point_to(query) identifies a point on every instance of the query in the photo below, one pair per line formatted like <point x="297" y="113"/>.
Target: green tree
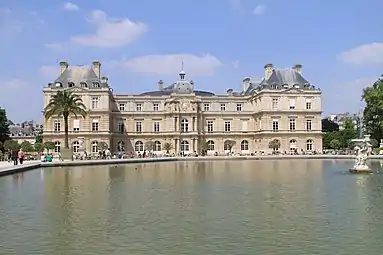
<point x="348" y="133"/>
<point x="4" y="126"/>
<point x="373" y="112"/>
<point x="102" y="146"/>
<point x="26" y="146"/>
<point x="149" y="145"/>
<point x="229" y="144"/>
<point x="39" y="147"/>
<point x="168" y="147"/>
<point x="274" y="145"/>
<point x="11" y="145"/>
<point x="49" y="145"/>
<point x="329" y="126"/>
<point x="63" y="104"/>
<point x="335" y="144"/>
<point x="39" y="137"/>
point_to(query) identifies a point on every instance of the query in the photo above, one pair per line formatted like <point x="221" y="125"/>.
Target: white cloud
<point x="259" y="9"/>
<point x="364" y="54"/>
<point x="111" y="32"/>
<point x="71" y="7"/>
<point x="171" y="64"/>
<point x="9" y="25"/>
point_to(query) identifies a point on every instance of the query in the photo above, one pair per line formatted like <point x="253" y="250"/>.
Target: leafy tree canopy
<point x="329" y="126"/>
<point x="373" y="112"/>
<point x="4" y="126"/>
<point x="26" y="146"/>
<point x="11" y="145"/>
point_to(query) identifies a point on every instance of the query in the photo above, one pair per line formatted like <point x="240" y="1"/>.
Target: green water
<point x="224" y="207"/>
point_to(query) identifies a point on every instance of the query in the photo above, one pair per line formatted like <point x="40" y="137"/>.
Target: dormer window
<point x="285" y="86"/>
<point x="274" y="86"/>
<point x="70" y="84"/>
<point x="58" y="84"/>
<point x="296" y="86"/>
<point x="96" y="85"/>
<point x="83" y="85"/>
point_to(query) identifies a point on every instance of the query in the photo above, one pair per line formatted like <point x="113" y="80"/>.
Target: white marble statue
<point x="362" y="152"/>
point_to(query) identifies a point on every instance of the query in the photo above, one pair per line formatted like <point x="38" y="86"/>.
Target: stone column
<point x="81" y="141"/>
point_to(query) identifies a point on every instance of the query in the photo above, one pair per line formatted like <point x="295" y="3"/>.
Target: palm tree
<point x="63" y="104"/>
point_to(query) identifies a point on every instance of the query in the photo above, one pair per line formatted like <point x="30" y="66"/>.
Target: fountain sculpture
<point x="363" y="149"/>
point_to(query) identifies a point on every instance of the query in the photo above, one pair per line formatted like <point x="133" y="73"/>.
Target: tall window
<point x="156" y="126"/>
<point x="95" y="102"/>
<point x="94" y="146"/>
<point x="308" y="104"/>
<point x="120" y="146"/>
<point x="206" y="107"/>
<point x="155" y="107"/>
<point x="244" y="145"/>
<point x="223" y="107"/>
<point x="121" y="127"/>
<point x="309" y="145"/>
<point x="121" y="107"/>
<point x="210" y="145"/>
<point x="57" y="126"/>
<point x="210" y="126"/>
<point x="184" y="146"/>
<point x="275" y="103"/>
<point x="139" y="146"/>
<point x="275" y="125"/>
<point x="76" y="146"/>
<point x="57" y="147"/>
<point x="76" y="126"/>
<point x="95" y="125"/>
<point x="227" y="126"/>
<point x="184" y="125"/>
<point x="138" y="126"/>
<point x="292" y="124"/>
<point x="157" y="146"/>
<point x="292" y="103"/>
<point x="309" y="125"/>
<point x="138" y="107"/>
<point x="239" y="107"/>
<point x="293" y="145"/>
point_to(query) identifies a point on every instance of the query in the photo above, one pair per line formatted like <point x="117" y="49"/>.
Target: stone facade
<point x="282" y="106"/>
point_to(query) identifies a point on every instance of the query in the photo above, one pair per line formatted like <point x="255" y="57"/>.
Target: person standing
<point x="20" y="156"/>
<point x="14" y="157"/>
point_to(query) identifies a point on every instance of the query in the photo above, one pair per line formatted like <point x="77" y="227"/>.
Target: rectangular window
<point x="309" y="124"/>
<point x="239" y="107"/>
<point x="76" y="126"/>
<point x="308" y="104"/>
<point x="138" y="107"/>
<point x="138" y="126"/>
<point x="275" y="103"/>
<point x="206" y="107"/>
<point x="156" y="107"/>
<point x="292" y="124"/>
<point x="275" y="125"/>
<point x="210" y="126"/>
<point x="95" y="125"/>
<point x="292" y="103"/>
<point x="223" y="107"/>
<point x="156" y="127"/>
<point x="227" y="126"/>
<point x="95" y="102"/>
<point x="57" y="126"/>
<point x="121" y="127"/>
<point x="121" y="107"/>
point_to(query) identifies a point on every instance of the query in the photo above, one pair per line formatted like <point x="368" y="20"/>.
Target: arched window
<point x="57" y="147"/>
<point x="184" y="146"/>
<point x="309" y="145"/>
<point x="94" y="146"/>
<point x="293" y="145"/>
<point x="75" y="146"/>
<point x="184" y="125"/>
<point x="157" y="146"/>
<point x="210" y="145"/>
<point x="139" y="146"/>
<point x="244" y="145"/>
<point x="120" y="146"/>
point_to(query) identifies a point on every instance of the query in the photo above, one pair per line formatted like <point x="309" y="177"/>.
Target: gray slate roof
<point x="79" y="76"/>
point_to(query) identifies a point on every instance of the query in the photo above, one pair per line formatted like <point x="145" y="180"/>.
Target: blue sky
<point x="339" y="43"/>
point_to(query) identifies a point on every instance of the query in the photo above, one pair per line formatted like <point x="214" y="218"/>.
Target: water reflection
<point x="203" y="207"/>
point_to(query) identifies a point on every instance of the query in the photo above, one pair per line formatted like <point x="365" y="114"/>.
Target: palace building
<point x="283" y="106"/>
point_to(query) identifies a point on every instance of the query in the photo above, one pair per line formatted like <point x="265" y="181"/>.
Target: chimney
<point x="97" y="68"/>
<point x="160" y="85"/>
<point x="246" y="83"/>
<point x="297" y="68"/>
<point x="229" y="92"/>
<point x="268" y="70"/>
<point x="63" y="66"/>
